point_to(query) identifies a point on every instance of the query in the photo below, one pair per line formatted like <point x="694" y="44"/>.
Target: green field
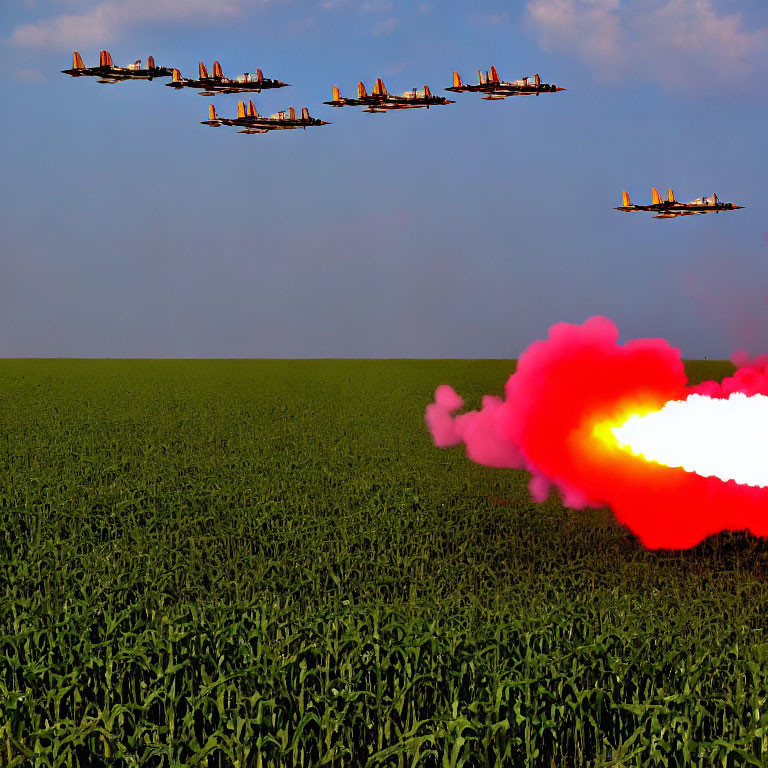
<point x="267" y="563"/>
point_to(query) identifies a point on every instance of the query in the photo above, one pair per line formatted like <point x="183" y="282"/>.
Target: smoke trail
<point x="556" y="420"/>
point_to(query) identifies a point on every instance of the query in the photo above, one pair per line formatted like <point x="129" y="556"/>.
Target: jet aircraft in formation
<point x="252" y="122"/>
<point x="671" y="208"/>
<point x="494" y="88"/>
<point x="249" y="120"/>
<point x="217" y="83"/>
<point x="381" y="101"/>
<point x="109" y="73"/>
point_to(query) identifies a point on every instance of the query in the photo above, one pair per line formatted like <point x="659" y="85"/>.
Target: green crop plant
<point x="267" y="563"/>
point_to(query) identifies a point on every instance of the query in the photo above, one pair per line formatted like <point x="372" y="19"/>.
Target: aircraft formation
<point x="249" y="120"/>
<point x="379" y="100"/>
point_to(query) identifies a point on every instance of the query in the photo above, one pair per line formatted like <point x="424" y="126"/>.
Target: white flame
<point x="724" y="438"/>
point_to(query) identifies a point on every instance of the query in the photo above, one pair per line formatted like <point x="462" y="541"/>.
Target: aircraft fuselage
<point x="495" y="91"/>
<point x="119" y="74"/>
<point x="671" y="208"/>
<point x="210" y="86"/>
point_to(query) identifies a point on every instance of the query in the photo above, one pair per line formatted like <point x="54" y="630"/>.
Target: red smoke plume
<point x="549" y="423"/>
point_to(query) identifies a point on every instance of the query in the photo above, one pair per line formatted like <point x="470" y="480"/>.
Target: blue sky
<point x="130" y="230"/>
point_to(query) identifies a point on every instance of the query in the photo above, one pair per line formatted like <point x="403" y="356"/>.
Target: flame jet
<point x="494" y="88"/>
<point x="591" y="417"/>
<point x="671" y="208"/>
<point x="252" y="122"/>
<point x="109" y="73"/>
<point x="381" y="101"/>
<point x="215" y="83"/>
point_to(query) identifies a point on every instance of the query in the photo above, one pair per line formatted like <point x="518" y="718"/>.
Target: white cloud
<point x="102" y="22"/>
<point x="589" y="28"/>
<point x="683" y="43"/>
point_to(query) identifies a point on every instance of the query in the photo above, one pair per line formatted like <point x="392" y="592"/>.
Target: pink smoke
<point x="581" y="377"/>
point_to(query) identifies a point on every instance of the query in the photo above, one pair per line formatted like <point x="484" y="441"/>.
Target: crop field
<point x="268" y="563"/>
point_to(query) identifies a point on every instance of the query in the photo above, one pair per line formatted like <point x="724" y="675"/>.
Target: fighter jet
<point x="109" y="73"/>
<point x="381" y="101"/>
<point x="217" y="83"/>
<point x="494" y="89"/>
<point x="252" y="122"/>
<point x="671" y="208"/>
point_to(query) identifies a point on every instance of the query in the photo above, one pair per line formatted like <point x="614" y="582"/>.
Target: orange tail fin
<point x="361" y="92"/>
<point x="427" y="92"/>
<point x="625" y="199"/>
<point x="292" y="113"/>
<point x="494" y="75"/>
<point x="202" y="71"/>
<point x="457" y="80"/>
<point x="211" y="112"/>
<point x="77" y="61"/>
<point x="536" y="80"/>
<point x="381" y="86"/>
<point x="670" y="196"/>
<point x="217" y="69"/>
<point x="102" y="58"/>
<point x="656" y="196"/>
<point x="108" y="59"/>
<point x="252" y="109"/>
<point x="336" y="93"/>
<point x="305" y="114"/>
<point x="176" y="76"/>
<point x="151" y="62"/>
<point x="241" y="109"/>
<point x="480" y="77"/>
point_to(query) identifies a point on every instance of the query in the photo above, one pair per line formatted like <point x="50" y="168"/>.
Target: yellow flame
<point x="604" y="430"/>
